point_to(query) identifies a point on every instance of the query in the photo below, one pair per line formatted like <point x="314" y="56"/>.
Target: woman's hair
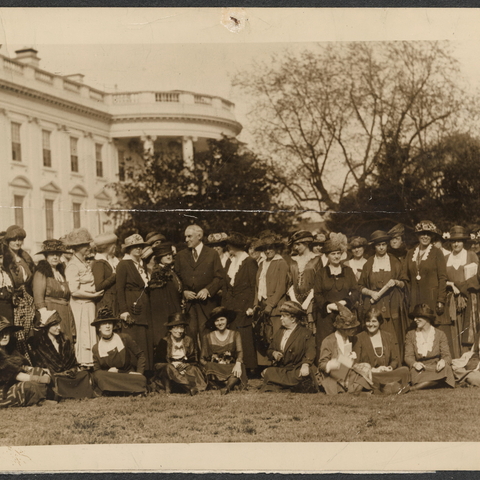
<point x="374" y="312"/>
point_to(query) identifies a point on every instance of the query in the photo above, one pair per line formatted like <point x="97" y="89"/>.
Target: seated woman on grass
<point x="222" y="354"/>
<point x="118" y="362"/>
<point x="52" y="350"/>
<point x="467" y="368"/>
<point x="292" y="353"/>
<point x="379" y="349"/>
<point x="175" y="359"/>
<point x="427" y="353"/>
<point x="338" y="374"/>
<point x="20" y="384"/>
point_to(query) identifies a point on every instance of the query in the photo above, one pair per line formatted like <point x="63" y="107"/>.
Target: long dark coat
<point x="240" y="297"/>
<point x="105" y="279"/>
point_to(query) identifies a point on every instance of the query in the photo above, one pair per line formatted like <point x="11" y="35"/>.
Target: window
<point x="121" y="165"/>
<point x="98" y="159"/>
<point x="47" y="153"/>
<point x="18" y="204"/>
<point x="16" y="144"/>
<point x="49" y="218"/>
<point x="74" y="154"/>
<point x="76" y="214"/>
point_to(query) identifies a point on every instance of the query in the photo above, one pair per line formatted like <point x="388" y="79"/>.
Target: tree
<point x="348" y="119"/>
<point x="227" y="189"/>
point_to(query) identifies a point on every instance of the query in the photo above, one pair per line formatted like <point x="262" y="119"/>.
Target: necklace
<point x="418" y="257"/>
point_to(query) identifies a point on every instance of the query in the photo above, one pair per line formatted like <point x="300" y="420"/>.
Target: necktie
<point x="195" y="254"/>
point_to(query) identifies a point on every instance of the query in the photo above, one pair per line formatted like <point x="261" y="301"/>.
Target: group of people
<point x="317" y="312"/>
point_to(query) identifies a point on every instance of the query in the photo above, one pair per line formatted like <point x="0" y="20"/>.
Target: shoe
<point x="193" y="391"/>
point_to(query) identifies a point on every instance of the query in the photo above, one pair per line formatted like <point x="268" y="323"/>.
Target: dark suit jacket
<point x="277" y="281"/>
<point x="207" y="272"/>
<point x="299" y="349"/>
<point x="131" y="289"/>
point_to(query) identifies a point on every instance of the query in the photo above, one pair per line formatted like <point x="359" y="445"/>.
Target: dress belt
<point x="428" y="358"/>
<point x="60" y="301"/>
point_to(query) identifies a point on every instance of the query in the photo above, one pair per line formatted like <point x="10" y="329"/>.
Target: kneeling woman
<point x="118" y="362"/>
<point x="55" y="352"/>
<point x="337" y="358"/>
<point x="427" y="353"/>
<point x="222" y="354"/>
<point x="20" y="384"/>
<point x="176" y="359"/>
<point x="379" y="349"/>
<point x="292" y="351"/>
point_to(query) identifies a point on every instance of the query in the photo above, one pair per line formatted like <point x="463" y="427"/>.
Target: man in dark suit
<point x="200" y="269"/>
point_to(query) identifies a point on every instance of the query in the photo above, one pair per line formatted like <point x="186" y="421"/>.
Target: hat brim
<point x="462" y="238"/>
<point x="386" y="238"/>
<point x="12" y="328"/>
<point x="51" y="252"/>
<point x="176" y="324"/>
<point x="99" y="321"/>
<point x="265" y="246"/>
<point x="229" y="315"/>
<point x="414" y="315"/>
<point x="141" y="244"/>
<point x="338" y="327"/>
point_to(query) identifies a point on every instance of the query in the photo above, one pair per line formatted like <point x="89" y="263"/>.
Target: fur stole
<point x="46" y="270"/>
<point x="11" y="265"/>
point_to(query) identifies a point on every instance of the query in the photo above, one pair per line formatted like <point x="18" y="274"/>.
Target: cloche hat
<point x="458" y="233"/>
<point x="14" y="231"/>
<point x="379" y="236"/>
<point x="78" y="236"/>
<point x="269" y="241"/>
<point x="134" y="240"/>
<point x="176" y="319"/>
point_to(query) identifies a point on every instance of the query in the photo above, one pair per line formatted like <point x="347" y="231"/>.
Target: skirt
<point x="191" y="377"/>
<point x="119" y="382"/>
<point x="219" y="373"/>
<point x="78" y="387"/>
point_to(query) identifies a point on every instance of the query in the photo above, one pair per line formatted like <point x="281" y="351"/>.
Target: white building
<point x="64" y="142"/>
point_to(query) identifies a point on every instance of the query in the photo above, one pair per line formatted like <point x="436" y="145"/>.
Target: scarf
<point x="237" y="261"/>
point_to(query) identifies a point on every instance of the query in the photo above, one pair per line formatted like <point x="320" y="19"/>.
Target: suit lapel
<point x="292" y="337"/>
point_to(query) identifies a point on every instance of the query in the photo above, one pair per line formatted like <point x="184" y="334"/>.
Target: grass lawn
<point x="435" y="415"/>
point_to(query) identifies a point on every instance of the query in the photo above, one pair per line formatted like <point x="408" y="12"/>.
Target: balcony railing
<point x="122" y="98"/>
<point x="167" y="97"/>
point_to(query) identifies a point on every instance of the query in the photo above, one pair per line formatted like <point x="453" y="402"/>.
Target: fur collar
<point x="46" y="270"/>
<point x="9" y="261"/>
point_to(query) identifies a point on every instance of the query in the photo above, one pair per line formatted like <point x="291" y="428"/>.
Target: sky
<point x="191" y="49"/>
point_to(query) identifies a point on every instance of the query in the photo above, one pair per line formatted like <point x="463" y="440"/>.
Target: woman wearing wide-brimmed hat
<point x="292" y="353"/>
<point x="382" y="287"/>
<point x="20" y="384"/>
<point x="50" y="287"/>
<point x="239" y="294"/>
<point x="338" y="371"/>
<point x="357" y="246"/>
<point x="333" y="283"/>
<point x="218" y="241"/>
<point x="379" y="349"/>
<point x="427" y="352"/>
<point x="20" y="266"/>
<point x="104" y="270"/>
<point x="119" y="362"/>
<point x="165" y="290"/>
<point x="222" y="352"/>
<point x="463" y="293"/>
<point x="132" y="296"/>
<point x="53" y="351"/>
<point x="83" y="294"/>
<point x="176" y="360"/>
<point x="425" y="272"/>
